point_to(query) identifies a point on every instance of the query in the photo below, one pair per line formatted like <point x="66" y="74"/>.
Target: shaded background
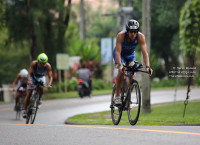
<point x="30" y="27"/>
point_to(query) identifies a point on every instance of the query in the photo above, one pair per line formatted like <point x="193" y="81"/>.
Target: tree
<point x="2" y="9"/>
<point x="42" y="23"/>
<point x="189" y="31"/>
<point x="165" y="27"/>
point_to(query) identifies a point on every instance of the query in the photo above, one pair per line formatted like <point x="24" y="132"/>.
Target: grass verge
<point x="161" y="114"/>
<point x="73" y="94"/>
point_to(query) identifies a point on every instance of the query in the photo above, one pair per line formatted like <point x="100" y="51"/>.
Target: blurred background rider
<point x="22" y="79"/>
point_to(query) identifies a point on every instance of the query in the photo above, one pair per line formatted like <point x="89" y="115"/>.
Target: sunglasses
<point x="42" y="63"/>
<point x="133" y="32"/>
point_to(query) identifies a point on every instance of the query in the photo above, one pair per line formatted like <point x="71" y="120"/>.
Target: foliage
<point x="11" y="63"/>
<point x="97" y="84"/>
<point x="41" y="20"/>
<point x="197" y="79"/>
<point x="88" y="52"/>
<point x="2" y="9"/>
<point x="71" y="86"/>
<point x="13" y="57"/>
<point x="167" y="83"/>
<point x="190" y="27"/>
<point x="164" y="31"/>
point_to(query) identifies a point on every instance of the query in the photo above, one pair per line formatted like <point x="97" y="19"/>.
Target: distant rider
<point x="22" y="79"/>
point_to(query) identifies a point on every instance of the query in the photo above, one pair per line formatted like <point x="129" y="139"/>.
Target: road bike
<point x="131" y="99"/>
<point x="34" y="102"/>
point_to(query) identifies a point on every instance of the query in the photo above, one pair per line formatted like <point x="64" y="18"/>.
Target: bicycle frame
<point x="131" y="81"/>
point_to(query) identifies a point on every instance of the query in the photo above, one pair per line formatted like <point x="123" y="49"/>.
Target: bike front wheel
<point x="134" y="103"/>
<point x="34" y="109"/>
<point x="116" y="112"/>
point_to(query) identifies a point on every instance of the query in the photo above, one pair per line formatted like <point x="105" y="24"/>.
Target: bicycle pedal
<point x="111" y="106"/>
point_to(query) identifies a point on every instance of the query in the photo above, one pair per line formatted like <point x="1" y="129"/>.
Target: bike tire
<point x="134" y="103"/>
<point x="18" y="111"/>
<point x="34" y="109"/>
<point x="114" y="109"/>
<point x="28" y="115"/>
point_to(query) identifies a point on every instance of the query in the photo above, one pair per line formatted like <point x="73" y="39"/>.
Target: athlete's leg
<point x="30" y="89"/>
<point x="129" y="59"/>
<point x="118" y="80"/>
<point x="41" y="91"/>
<point x="16" y="100"/>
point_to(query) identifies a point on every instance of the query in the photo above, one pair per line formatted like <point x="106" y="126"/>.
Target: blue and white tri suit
<point x="37" y="73"/>
<point x="128" y="50"/>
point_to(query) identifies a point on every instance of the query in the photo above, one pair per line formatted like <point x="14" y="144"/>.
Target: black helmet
<point x="132" y="25"/>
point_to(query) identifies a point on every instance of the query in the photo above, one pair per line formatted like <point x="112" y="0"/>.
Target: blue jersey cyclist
<point x="124" y="52"/>
<point x="38" y="70"/>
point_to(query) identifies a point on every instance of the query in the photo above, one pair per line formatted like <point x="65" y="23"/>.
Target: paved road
<point x="49" y="126"/>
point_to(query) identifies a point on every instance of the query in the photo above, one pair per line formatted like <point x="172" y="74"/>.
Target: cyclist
<point x="22" y="79"/>
<point x="38" y="69"/>
<point x="124" y="52"/>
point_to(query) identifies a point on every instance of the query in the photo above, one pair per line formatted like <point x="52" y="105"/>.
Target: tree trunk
<point x="166" y="64"/>
<point x="32" y="35"/>
<point x="32" y="44"/>
<point x="82" y="21"/>
<point x="189" y="63"/>
<point x="63" y="27"/>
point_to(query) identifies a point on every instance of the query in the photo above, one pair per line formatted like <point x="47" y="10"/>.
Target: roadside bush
<point x="197" y="79"/>
<point x="167" y="83"/>
<point x="99" y="84"/>
<point x="72" y="85"/>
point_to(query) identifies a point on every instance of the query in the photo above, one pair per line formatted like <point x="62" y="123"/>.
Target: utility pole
<point x="146" y="30"/>
<point x="82" y="21"/>
<point x="124" y="14"/>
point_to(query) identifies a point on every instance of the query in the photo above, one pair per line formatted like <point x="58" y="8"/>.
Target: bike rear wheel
<point x="116" y="112"/>
<point x="28" y="115"/>
<point x="18" y="111"/>
<point x="134" y="103"/>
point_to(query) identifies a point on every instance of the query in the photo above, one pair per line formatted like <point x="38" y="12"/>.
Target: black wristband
<point x="148" y="67"/>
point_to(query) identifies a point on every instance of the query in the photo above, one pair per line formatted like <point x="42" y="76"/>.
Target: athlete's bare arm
<point x="49" y="72"/>
<point x="16" y="79"/>
<point x="120" y="40"/>
<point x="31" y="68"/>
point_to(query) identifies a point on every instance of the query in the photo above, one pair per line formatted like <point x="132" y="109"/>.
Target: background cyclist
<point x="38" y="69"/>
<point x="22" y="79"/>
<point x="124" y="52"/>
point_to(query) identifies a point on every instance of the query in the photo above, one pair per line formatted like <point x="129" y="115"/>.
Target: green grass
<point x="73" y="94"/>
<point x="161" y="114"/>
<point x="2" y="102"/>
